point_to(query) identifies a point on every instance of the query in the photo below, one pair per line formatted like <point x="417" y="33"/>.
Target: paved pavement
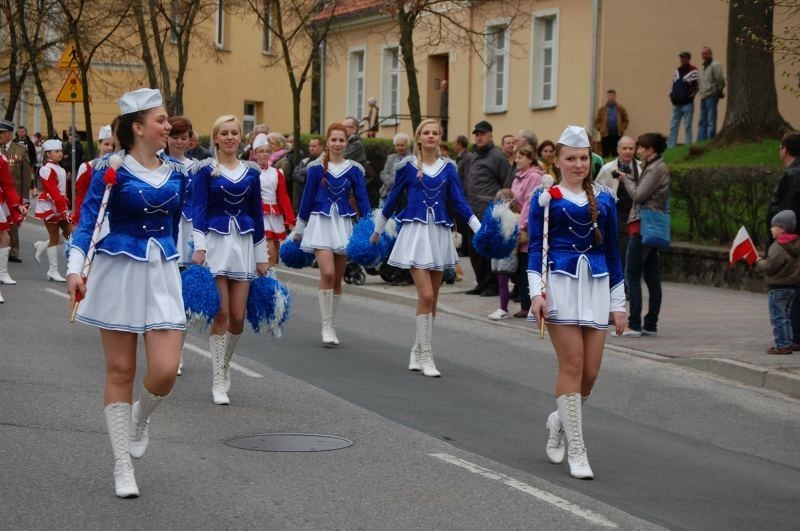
<point x="724" y="332"/>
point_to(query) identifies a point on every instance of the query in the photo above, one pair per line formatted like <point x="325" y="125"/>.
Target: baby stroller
<point x="357" y="274"/>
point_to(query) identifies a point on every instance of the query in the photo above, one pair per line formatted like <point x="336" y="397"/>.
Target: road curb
<point x="745" y="373"/>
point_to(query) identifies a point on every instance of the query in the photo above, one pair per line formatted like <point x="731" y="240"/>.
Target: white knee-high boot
<point x="217" y="347"/>
<point x="180" y="362"/>
<point x="5" y="278"/>
<point x="118" y="421"/>
<point x="413" y="360"/>
<point x="569" y="410"/>
<point x="426" y="350"/>
<point x="326" y="309"/>
<point x="334" y="308"/>
<point x="555" y="436"/>
<point x="40" y="248"/>
<point x="231" y="340"/>
<point x="140" y="418"/>
<point x="52" y="271"/>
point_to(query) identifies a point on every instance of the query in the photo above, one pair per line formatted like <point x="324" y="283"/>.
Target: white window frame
<point x="490" y="105"/>
<point x="219" y="26"/>
<point x="249" y="119"/>
<point x="266" y="38"/>
<point x="387" y="72"/>
<point x="352" y="97"/>
<point x="537" y="56"/>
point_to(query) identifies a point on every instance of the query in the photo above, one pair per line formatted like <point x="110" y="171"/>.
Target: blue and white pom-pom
<point x="547" y="182"/>
<point x="497" y="236"/>
<point x="268" y="305"/>
<point x="359" y="249"/>
<point x="292" y="255"/>
<point x="200" y="297"/>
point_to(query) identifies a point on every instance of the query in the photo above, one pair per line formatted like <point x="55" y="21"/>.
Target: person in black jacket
<point x="685" y="85"/>
<point x="786" y="196"/>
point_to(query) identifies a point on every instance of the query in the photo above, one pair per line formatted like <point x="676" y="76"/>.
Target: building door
<point x="438" y="74"/>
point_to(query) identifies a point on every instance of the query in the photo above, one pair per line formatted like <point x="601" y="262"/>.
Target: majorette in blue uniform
<point x="137" y="259"/>
<point x="425" y="239"/>
<point x="227" y="218"/>
<point x="185" y="229"/>
<point x="325" y="217"/>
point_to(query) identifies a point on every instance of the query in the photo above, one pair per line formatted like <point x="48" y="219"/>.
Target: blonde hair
<point x="418" y="145"/>
<point x="279" y="138"/>
<point x="219" y="122"/>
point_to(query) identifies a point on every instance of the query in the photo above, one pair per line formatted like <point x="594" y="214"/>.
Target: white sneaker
<point x="531" y="318"/>
<point x="649" y="333"/>
<point x="498" y="314"/>
<point x="632" y="333"/>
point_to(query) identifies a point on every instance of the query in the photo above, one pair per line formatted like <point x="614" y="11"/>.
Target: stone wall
<point x="708" y="266"/>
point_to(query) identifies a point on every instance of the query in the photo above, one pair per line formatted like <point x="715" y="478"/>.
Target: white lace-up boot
<point x="180" y="362"/>
<point x="52" y="271"/>
<point x="5" y="278"/>
<point x="39" y="249"/>
<point x="118" y="421"/>
<point x="569" y="410"/>
<point x="231" y="340"/>
<point x="413" y="360"/>
<point x="326" y="309"/>
<point x="140" y="418"/>
<point x="334" y="308"/>
<point x="217" y="345"/>
<point x="426" y="352"/>
<point x="2" y="300"/>
<point x="555" y="435"/>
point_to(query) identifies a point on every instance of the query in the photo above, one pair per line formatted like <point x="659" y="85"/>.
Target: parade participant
<point x="424" y="244"/>
<point x="583" y="282"/>
<point x="177" y="144"/>
<point x="134" y="286"/>
<point x="278" y="213"/>
<point x="52" y="207"/>
<point x="105" y="145"/>
<point x="12" y="210"/>
<point x="325" y="220"/>
<point x="228" y="237"/>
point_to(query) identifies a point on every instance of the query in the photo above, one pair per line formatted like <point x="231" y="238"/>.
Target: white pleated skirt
<point x="231" y="255"/>
<point x="329" y="233"/>
<point x="184" y="239"/>
<point x="129" y="295"/>
<point x="582" y="301"/>
<point x="424" y="246"/>
<point x="4" y="212"/>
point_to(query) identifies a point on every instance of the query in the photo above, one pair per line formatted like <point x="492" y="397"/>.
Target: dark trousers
<point x="641" y="261"/>
<point x="14" y="232"/>
<point x="482" y="267"/>
<point x="609" y="145"/>
<point x="795" y="316"/>
<point x="522" y="281"/>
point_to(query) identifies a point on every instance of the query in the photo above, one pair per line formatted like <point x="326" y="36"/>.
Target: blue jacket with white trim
<point x="319" y="197"/>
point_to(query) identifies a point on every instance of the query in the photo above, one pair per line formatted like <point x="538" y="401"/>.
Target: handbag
<point x="655" y="226"/>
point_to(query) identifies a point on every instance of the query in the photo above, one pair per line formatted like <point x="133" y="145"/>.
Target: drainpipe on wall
<point x="322" y="60"/>
<point x="593" y="91"/>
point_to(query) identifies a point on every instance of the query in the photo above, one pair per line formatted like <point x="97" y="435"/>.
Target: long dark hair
<point x="587" y="186"/>
<point x="124" y="129"/>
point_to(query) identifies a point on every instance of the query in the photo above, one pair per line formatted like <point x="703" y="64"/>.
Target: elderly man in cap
<point x="486" y="176"/>
<point x="685" y="85"/>
<point x="20" y="167"/>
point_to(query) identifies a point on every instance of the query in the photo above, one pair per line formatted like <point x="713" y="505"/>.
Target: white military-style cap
<point x="105" y="132"/>
<point x="574" y="136"/>
<point x="52" y="145"/>
<point x="260" y="140"/>
<point x="140" y="100"/>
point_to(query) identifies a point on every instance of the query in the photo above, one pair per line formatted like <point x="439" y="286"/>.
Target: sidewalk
<point x="720" y="331"/>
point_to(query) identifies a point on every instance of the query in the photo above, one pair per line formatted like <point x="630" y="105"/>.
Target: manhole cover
<point x="288" y="442"/>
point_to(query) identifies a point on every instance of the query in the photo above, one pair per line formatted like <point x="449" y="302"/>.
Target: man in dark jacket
<point x="787" y="197"/>
<point x="685" y="85"/>
<point x="486" y="176"/>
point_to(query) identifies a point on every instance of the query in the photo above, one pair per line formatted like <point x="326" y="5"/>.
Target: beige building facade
<point x="551" y="68"/>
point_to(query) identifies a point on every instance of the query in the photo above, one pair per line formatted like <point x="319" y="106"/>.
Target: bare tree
<point x="165" y="33"/>
<point x="752" y="112"/>
<point x="90" y="26"/>
<point x="17" y="65"/>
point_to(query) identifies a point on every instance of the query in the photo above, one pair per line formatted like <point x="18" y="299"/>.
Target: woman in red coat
<point x="52" y="207"/>
<point x="12" y="211"/>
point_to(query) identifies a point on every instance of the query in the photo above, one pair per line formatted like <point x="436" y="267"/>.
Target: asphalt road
<point x="669" y="446"/>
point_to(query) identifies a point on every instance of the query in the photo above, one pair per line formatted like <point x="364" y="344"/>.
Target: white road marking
<point x="57" y="293"/>
<point x="234" y="365"/>
<point x="552" y="499"/>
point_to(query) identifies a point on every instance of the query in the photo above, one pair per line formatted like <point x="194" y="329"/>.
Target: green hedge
<point x="710" y="204"/>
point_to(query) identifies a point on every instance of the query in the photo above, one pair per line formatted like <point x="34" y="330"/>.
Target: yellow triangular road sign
<point x="72" y="91"/>
<point x="69" y="58"/>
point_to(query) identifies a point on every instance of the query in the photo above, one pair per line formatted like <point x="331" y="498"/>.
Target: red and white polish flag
<point x="743" y="249"/>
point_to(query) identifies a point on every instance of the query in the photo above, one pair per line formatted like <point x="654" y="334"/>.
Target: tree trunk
<point x="48" y="112"/>
<point x="87" y="115"/>
<point x="752" y="113"/>
<point x="144" y="41"/>
<point x="316" y="91"/>
<point x="407" y="49"/>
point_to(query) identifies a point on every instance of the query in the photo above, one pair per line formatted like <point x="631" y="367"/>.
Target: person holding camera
<point x="609" y="175"/>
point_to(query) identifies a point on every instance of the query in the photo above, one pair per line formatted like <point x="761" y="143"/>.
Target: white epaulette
<point x="210" y="161"/>
<point x="173" y="163"/>
<point x="448" y="160"/>
<point x="600" y="188"/>
<point x="316" y="162"/>
<point x="359" y="166"/>
<point x="101" y="163"/>
<point x="253" y="165"/>
<point x="409" y="159"/>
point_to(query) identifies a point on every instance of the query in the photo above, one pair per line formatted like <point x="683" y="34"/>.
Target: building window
<point x="355" y="103"/>
<point x="266" y="40"/>
<point x="390" y="84"/>
<point x="219" y="33"/>
<point x="249" y="117"/>
<point x="496" y="80"/>
<point x="544" y="60"/>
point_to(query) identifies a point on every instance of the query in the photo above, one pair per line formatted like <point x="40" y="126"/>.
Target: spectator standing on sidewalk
<point x="712" y="89"/>
<point x="547" y="155"/>
<point x="528" y="177"/>
<point x="486" y="176"/>
<point x="315" y="147"/>
<point x="684" y="88"/>
<point x="611" y="121"/>
<point x="650" y="191"/>
<point x="781" y="271"/>
<point x="400" y="142"/>
<point x="787" y="197"/>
